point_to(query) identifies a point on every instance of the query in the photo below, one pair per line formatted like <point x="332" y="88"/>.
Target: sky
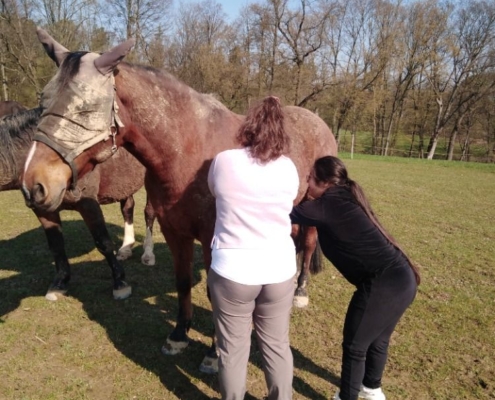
<point x="233" y="7"/>
<point x="230" y="7"/>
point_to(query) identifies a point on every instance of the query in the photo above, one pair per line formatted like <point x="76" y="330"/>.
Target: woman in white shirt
<point x="253" y="255"/>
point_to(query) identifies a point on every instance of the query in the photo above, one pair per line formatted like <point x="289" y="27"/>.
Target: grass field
<point x="88" y="346"/>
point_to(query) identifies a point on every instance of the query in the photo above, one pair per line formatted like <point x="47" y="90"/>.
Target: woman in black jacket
<point x="386" y="280"/>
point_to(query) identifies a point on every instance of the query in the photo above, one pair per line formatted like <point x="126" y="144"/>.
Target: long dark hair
<point x="332" y="170"/>
<point x="262" y="132"/>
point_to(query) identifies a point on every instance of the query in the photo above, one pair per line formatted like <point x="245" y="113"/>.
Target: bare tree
<point x="19" y="47"/>
<point x="138" y="19"/>
<point x="466" y="50"/>
<point x="303" y="30"/>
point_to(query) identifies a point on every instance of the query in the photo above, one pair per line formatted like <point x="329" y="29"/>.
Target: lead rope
<point x="115" y="119"/>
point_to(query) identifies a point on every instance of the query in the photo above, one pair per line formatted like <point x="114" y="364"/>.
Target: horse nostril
<point x="27" y="196"/>
<point x="38" y="193"/>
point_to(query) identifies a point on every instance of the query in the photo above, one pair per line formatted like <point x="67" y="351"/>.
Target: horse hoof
<point x="148" y="259"/>
<point x="171" y="348"/>
<point x="301" y="301"/>
<point x="209" y="365"/>
<point x="124" y="253"/>
<point x="55" y="294"/>
<point x="122" y="293"/>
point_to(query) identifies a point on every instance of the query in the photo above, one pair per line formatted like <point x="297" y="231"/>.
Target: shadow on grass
<point x="137" y="326"/>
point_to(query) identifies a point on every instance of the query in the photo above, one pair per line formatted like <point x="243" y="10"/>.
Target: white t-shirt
<point x="252" y="244"/>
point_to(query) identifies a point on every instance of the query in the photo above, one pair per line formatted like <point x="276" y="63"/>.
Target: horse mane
<point x="16" y="135"/>
<point x="70" y="67"/>
<point x="173" y="83"/>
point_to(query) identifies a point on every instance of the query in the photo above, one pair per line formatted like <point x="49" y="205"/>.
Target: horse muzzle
<point x="37" y="198"/>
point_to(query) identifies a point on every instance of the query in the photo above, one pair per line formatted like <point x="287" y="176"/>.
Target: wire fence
<point x="476" y="152"/>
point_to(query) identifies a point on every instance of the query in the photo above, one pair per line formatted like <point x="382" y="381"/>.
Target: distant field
<point x="400" y="146"/>
<point x="88" y="346"/>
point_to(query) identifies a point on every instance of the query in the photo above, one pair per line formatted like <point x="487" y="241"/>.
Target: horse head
<point x="79" y="112"/>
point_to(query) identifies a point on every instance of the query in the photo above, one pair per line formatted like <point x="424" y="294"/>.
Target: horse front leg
<point x="52" y="225"/>
<point x="127" y="210"/>
<point x="181" y="248"/>
<point x="148" y="257"/>
<point x="91" y="212"/>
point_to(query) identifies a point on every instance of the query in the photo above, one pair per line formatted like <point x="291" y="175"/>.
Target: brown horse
<point x="96" y="103"/>
<point x="9" y="107"/>
<point x="115" y="180"/>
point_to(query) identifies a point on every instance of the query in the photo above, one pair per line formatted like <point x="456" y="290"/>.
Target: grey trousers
<point x="236" y="308"/>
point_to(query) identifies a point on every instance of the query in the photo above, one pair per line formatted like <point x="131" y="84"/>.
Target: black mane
<point x="70" y="67"/>
<point x="16" y="135"/>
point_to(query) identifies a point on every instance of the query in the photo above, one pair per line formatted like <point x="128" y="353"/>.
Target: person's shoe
<point x="371" y="394"/>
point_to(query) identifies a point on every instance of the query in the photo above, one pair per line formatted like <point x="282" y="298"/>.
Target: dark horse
<point x="170" y="128"/>
<point x="115" y="180"/>
<point x="9" y="107"/>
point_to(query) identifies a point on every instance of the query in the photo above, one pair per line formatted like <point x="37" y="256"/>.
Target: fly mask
<point x="79" y="113"/>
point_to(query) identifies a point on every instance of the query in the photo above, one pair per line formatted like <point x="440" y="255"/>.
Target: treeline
<point x="405" y="77"/>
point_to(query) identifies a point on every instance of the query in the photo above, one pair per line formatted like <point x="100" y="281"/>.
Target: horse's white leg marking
<point x="175" y="347"/>
<point x="148" y="257"/>
<point x="126" y="250"/>
<point x="300" y="301"/>
<point x="28" y="160"/>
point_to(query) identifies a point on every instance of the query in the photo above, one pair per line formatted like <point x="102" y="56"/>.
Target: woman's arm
<point x="310" y="213"/>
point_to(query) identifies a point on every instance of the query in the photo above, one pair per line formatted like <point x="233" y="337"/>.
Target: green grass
<point x="88" y="346"/>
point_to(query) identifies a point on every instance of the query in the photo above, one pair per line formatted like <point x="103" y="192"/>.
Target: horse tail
<point x="316" y="264"/>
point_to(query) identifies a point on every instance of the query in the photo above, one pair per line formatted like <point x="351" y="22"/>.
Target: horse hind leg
<point x="52" y="226"/>
<point x="148" y="257"/>
<point x="181" y="248"/>
<point x="127" y="210"/>
<point x="91" y="212"/>
<point x="209" y="365"/>
<point x="309" y="260"/>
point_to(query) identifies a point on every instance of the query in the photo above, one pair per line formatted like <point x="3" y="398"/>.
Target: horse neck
<point x="162" y="118"/>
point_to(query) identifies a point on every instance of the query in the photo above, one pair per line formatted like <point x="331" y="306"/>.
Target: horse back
<point x="311" y="138"/>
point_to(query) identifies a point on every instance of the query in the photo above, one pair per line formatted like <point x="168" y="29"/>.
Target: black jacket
<point x="348" y="238"/>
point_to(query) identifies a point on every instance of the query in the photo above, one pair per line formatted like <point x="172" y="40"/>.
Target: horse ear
<point x="110" y="59"/>
<point x="55" y="50"/>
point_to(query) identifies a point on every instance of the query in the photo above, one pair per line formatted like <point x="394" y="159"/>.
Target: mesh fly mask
<point x="77" y="116"/>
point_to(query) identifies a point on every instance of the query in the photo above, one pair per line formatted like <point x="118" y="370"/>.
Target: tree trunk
<point x="453" y="137"/>
<point x="450" y="149"/>
<point x="353" y="141"/>
<point x="5" y="86"/>
<point x="387" y="139"/>
<point x="465" y="149"/>
<point x="412" y="144"/>
<point x="432" y="146"/>
<point x="298" y="83"/>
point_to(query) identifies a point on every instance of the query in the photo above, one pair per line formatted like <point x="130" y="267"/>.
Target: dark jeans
<point x="374" y="311"/>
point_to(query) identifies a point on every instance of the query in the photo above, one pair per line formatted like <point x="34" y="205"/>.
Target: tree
<point x="464" y="50"/>
<point x="137" y="19"/>
<point x="20" y="52"/>
<point x="303" y="32"/>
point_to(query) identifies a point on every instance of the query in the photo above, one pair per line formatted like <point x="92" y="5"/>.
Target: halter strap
<point x="61" y="152"/>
